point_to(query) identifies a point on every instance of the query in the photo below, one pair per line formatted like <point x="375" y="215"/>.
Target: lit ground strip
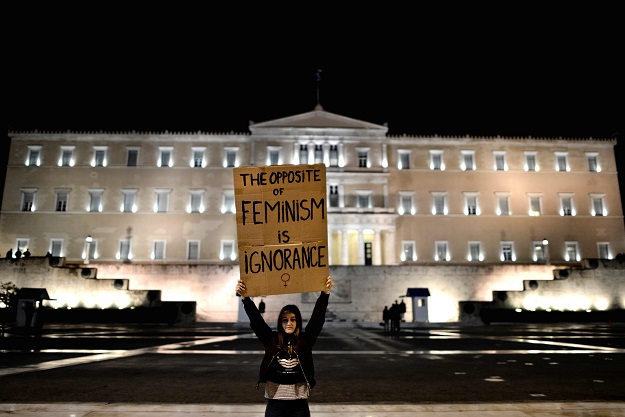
<point x="114" y="354"/>
<point x="573" y="345"/>
<point x="181" y="348"/>
<point x="397" y="353"/>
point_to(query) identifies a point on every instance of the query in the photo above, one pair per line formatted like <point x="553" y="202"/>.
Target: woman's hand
<point x="241" y="289"/>
<point x="329" y="285"/>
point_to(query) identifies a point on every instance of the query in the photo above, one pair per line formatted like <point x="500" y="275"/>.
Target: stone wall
<point x="75" y="286"/>
<point x="360" y="294"/>
<point x="577" y="294"/>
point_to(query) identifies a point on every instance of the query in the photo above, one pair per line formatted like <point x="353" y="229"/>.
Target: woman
<point x="287" y="367"/>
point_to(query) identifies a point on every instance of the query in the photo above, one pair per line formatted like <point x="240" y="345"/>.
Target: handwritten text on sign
<point x="282" y="228"/>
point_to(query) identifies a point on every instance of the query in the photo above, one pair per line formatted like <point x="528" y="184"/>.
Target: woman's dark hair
<point x="282" y="336"/>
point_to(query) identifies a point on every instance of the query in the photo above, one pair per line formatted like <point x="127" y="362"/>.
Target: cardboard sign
<point x="282" y="228"/>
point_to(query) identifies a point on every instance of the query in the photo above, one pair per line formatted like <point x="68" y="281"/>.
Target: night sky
<point x="447" y="70"/>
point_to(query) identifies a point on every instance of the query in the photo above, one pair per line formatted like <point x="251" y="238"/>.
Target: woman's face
<point x="289" y="322"/>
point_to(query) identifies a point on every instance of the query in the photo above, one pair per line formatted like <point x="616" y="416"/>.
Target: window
<point x="197" y="158"/>
<point x="158" y="249"/>
<point x="363" y="158"/>
<point x="539" y="251"/>
<point x="99" y="156"/>
<point x="530" y="161"/>
<point x="92" y="248"/>
<point x="593" y="165"/>
<point x="303" y="153"/>
<point x="406" y="203"/>
<point x="61" y="200"/>
<point x="442" y="253"/>
<point x="534" y="205"/>
<point x="56" y="247"/>
<point x="571" y="252"/>
<point x="562" y="163"/>
<point x="598" y="206"/>
<point x="196" y="201"/>
<point x="227" y="251"/>
<point x="566" y="205"/>
<point x="470" y="204"/>
<point x="67" y="156"/>
<point x="363" y="199"/>
<point x="439" y="203"/>
<point x="334" y="155"/>
<point x="603" y="250"/>
<point x="193" y="250"/>
<point x="318" y="154"/>
<point x="507" y="252"/>
<point x="403" y="159"/>
<point x="230" y="157"/>
<point x="274" y="155"/>
<point x="28" y="199"/>
<point x="468" y="161"/>
<point x="132" y="157"/>
<point x="129" y="201"/>
<point x="165" y="158"/>
<point x="228" y="203"/>
<point x="475" y="252"/>
<point x="500" y="161"/>
<point x="34" y="156"/>
<point x="436" y="160"/>
<point x="408" y="252"/>
<point x="125" y="251"/>
<point x="162" y="201"/>
<point x="334" y="195"/>
<point x="95" y="201"/>
<point x="503" y="205"/>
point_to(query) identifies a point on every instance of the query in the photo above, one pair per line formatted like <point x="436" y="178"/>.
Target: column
<point x="326" y="153"/>
<point x="344" y="248"/>
<point x="384" y="156"/>
<point x="361" y="248"/>
<point x="377" y="249"/>
<point x="330" y="246"/>
<point x="389" y="247"/>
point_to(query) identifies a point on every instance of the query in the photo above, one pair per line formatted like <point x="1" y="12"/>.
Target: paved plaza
<point x="210" y="369"/>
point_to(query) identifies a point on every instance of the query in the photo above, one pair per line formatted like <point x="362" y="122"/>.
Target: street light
<point x="88" y="241"/>
<point x="546" y="250"/>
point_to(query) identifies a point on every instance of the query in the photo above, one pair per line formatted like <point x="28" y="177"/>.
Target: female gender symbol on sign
<point x="285" y="278"/>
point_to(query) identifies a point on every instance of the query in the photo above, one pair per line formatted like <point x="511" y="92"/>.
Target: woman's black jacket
<point x="303" y="346"/>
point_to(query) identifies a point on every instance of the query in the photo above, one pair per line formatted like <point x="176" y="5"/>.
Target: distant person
<point x="29" y="312"/>
<point x="386" y="317"/>
<point x="18" y="254"/>
<point x="261" y="307"/>
<point x="395" y="317"/>
<point x="39" y="321"/>
<point x="9" y="254"/>
<point x="402" y="310"/>
<point x="287" y="368"/>
<point x="26" y="253"/>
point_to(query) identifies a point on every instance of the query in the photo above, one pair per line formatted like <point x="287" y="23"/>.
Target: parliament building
<point x="168" y="197"/>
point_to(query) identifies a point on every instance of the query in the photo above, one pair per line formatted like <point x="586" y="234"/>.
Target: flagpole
<point x="318" y="77"/>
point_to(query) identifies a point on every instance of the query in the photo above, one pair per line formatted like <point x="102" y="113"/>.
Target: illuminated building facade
<point x="168" y="197"/>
